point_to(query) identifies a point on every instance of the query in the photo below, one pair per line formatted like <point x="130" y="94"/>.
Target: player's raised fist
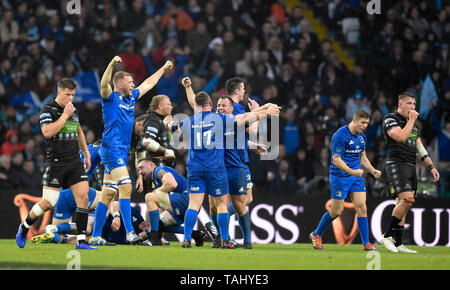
<point x="116" y="60"/>
<point x="168" y="65"/>
<point x="413" y="114"/>
<point x="186" y="82"/>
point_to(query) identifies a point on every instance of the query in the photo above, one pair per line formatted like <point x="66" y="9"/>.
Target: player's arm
<point x="190" y="94"/>
<point x="140" y="180"/>
<point x="49" y="128"/>
<point x="422" y="154"/>
<point x="339" y="163"/>
<point x="169" y="183"/>
<point x="150" y="140"/>
<point x="401" y="135"/>
<point x="252" y="117"/>
<point x="115" y="212"/>
<point x="151" y="81"/>
<point x="365" y="163"/>
<point x="105" y="87"/>
<point x="84" y="149"/>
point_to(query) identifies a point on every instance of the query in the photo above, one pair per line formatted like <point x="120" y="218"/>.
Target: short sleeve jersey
<point x="160" y="171"/>
<point x="349" y="147"/>
<point x="205" y="134"/>
<point x="62" y="147"/>
<point x="400" y="152"/>
<point x="118" y="117"/>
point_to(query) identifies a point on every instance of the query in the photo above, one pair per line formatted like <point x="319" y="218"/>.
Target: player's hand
<point x="261" y="149"/>
<point x="413" y="115"/>
<point x="169" y="153"/>
<point x="167" y="120"/>
<point x="69" y="109"/>
<point x="435" y="174"/>
<point x="273" y="110"/>
<point x="252" y="104"/>
<point x="168" y="65"/>
<point x="358" y="172"/>
<point x="87" y="162"/>
<point x="139" y="183"/>
<point x="376" y="173"/>
<point x="116" y="60"/>
<point x="115" y="225"/>
<point x="186" y="82"/>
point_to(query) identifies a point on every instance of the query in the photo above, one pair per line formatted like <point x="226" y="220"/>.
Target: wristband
<point x="64" y="116"/>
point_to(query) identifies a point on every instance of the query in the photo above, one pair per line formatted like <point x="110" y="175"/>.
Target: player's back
<point x="159" y="172"/>
<point x="118" y="117"/>
<point x="349" y="148"/>
<point x="205" y="133"/>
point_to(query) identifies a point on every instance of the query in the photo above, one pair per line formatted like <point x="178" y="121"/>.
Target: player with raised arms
<point x="118" y="116"/>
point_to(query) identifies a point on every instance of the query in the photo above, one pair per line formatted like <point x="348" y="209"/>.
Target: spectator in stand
<point x="7" y="179"/>
<point x="133" y="62"/>
<point x="12" y="143"/>
<point x="283" y="181"/>
<point x="29" y="177"/>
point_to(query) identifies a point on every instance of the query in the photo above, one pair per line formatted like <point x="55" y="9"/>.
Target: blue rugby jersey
<point x="118" y="117"/>
<point x="159" y="172"/>
<point x="205" y="134"/>
<point x="94" y="151"/>
<point x="349" y="148"/>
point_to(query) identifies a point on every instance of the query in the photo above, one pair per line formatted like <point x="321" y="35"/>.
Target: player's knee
<point x="408" y="201"/>
<point x="124" y="185"/>
<point x="51" y="197"/>
<point x="336" y="212"/>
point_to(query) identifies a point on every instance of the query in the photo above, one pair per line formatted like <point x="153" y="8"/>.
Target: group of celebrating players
<point x="217" y="144"/>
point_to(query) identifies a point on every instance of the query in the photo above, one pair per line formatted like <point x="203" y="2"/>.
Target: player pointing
<point x="118" y="116"/>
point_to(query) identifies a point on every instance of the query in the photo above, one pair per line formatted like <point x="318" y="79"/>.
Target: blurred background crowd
<point x="272" y="45"/>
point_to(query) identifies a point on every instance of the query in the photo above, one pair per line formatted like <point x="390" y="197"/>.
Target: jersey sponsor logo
<point x="351" y="142"/>
<point x="152" y="129"/>
<point x="126" y="107"/>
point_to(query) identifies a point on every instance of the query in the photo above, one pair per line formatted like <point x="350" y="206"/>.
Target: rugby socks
<point x="56" y="239"/>
<point x="153" y="217"/>
<point x="215" y="223"/>
<point x="363" y="227"/>
<point x="324" y="223"/>
<point x="189" y="222"/>
<point x="125" y="211"/>
<point x="245" y="224"/>
<point x="175" y="229"/>
<point x="64" y="228"/>
<point x="100" y="218"/>
<point x="231" y="210"/>
<point x="223" y="219"/>
<point x="392" y="225"/>
<point x="398" y="235"/>
<point x="81" y="219"/>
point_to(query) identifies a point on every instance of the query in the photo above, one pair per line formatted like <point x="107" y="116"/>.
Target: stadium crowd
<point x="270" y="44"/>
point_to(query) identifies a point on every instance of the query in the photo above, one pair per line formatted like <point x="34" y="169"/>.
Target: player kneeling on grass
<point x="348" y="155"/>
<point x="170" y="196"/>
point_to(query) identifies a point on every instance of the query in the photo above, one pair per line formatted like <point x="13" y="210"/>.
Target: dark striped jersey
<point x="63" y="147"/>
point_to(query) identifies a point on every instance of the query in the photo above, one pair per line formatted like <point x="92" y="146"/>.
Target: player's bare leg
<point x="359" y="201"/>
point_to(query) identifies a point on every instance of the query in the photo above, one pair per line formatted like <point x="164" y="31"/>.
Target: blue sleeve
<point x="338" y="145"/>
<point x="150" y="67"/>
<point x="211" y="85"/>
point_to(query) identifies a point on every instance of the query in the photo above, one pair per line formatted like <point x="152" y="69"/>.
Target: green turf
<point x="261" y="257"/>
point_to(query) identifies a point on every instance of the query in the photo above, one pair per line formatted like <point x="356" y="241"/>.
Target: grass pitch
<point x="261" y="257"/>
